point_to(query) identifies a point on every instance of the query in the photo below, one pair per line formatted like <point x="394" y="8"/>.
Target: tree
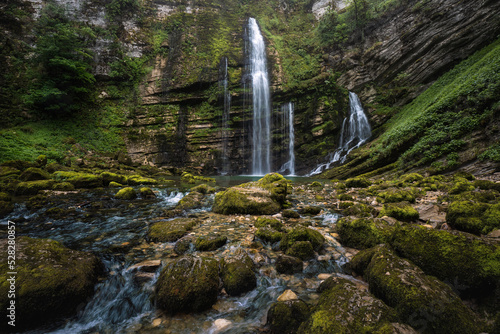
<point x="361" y="14"/>
<point x="61" y="65"/>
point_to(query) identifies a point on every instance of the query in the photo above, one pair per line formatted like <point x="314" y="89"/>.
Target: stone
<point x="79" y="180"/>
<point x="171" y="230"/>
<point x="146" y="266"/>
<point x="238" y="274"/>
<point x="147" y="193"/>
<point x="287" y="316"/>
<point x="210" y="243"/>
<point x="221" y="325"/>
<point x="33" y="174"/>
<point x="127" y="193"/>
<point x="188" y="284"/>
<point x="287" y="295"/>
<point x="288" y="265"/>
<point x="33" y="187"/>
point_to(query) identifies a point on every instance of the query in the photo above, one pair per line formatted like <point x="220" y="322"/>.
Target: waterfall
<point x="223" y="84"/>
<point x="261" y="131"/>
<point x="287" y="111"/>
<point x="354" y="133"/>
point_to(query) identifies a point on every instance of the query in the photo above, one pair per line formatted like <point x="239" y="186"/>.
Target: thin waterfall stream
<point x="288" y="114"/>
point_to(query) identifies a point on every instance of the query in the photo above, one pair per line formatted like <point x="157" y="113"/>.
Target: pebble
<point x="156" y="322"/>
<point x="221" y="325"/>
<point x="287" y="295"/>
<point x="324" y="276"/>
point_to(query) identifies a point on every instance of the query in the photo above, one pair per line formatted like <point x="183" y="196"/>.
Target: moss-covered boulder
<point x="33" y="187"/>
<point x="285" y="317"/>
<point x="264" y="197"/>
<point x="135" y="180"/>
<point x="401" y="211"/>
<point x="79" y="180"/>
<point x="210" y="243"/>
<point x="238" y="274"/>
<point x="188" y="284"/>
<point x="310" y="210"/>
<point x="397" y="195"/>
<point x="63" y="186"/>
<point x="184" y="245"/>
<point x="170" y="231"/>
<point x="114" y="184"/>
<point x="473" y="217"/>
<point x="363" y="233"/>
<point x="461" y="185"/>
<point x="203" y="189"/>
<point x="6" y="207"/>
<point x="41" y="160"/>
<point x="357" y="182"/>
<point x="301" y="249"/>
<point x="289" y="265"/>
<point x="8" y="171"/>
<point x="193" y="200"/>
<point x="108" y="177"/>
<point x="127" y="193"/>
<point x="269" y="222"/>
<point x="288" y="213"/>
<point x="302" y="233"/>
<point x="52" y="281"/>
<point x="268" y="234"/>
<point x="357" y="209"/>
<point x="5" y="197"/>
<point x="20" y="165"/>
<point x="422" y="301"/>
<point x="345" y="308"/>
<point x="468" y="263"/>
<point x="147" y="193"/>
<point x="33" y="174"/>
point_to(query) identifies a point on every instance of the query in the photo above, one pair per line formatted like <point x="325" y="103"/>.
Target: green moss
<point x="268" y="234"/>
<point x="114" y="184"/>
<point x="243" y="201"/>
<point x="5" y="208"/>
<point x="363" y="233"/>
<point x="290" y="214"/>
<point x="238" y="274"/>
<point x="8" y="170"/>
<point x="108" y="177"/>
<point x="188" y="284"/>
<point x="63" y="186"/>
<point x="358" y="182"/>
<point x="270" y="222"/>
<point x="414" y="295"/>
<point x="52" y="281"/>
<point x="487" y="185"/>
<point x="41" y="160"/>
<point x="310" y="210"/>
<point x="147" y="193"/>
<point x="33" y="187"/>
<point x="203" y="189"/>
<point x="477" y="218"/>
<point x="357" y="209"/>
<point x="207" y="244"/>
<point x="138" y="180"/>
<point x="397" y="195"/>
<point x="401" y="211"/>
<point x="302" y="234"/>
<point x="33" y="174"/>
<point x="79" y="180"/>
<point x="127" y="193"/>
<point x="5" y="197"/>
<point x="410" y="178"/>
<point x="316" y="185"/>
<point x="172" y="230"/>
<point x="345" y="197"/>
<point x="301" y="249"/>
<point x="287" y="316"/>
<point x="461" y="186"/>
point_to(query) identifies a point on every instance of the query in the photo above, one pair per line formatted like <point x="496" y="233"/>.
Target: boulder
<point x="127" y="193"/>
<point x="288" y="265"/>
<point x="79" y="180"/>
<point x="188" y="284"/>
<point x="210" y="243"/>
<point x="268" y="234"/>
<point x="302" y="233"/>
<point x="33" y="174"/>
<point x="285" y="317"/>
<point x="147" y="193"/>
<point x="171" y="230"/>
<point x="33" y="187"/>
<point x="363" y="233"/>
<point x="301" y="249"/>
<point x="401" y="211"/>
<point x="238" y="274"/>
<point x="52" y="281"/>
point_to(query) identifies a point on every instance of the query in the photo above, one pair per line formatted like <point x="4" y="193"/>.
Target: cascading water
<point x="287" y="111"/>
<point x="261" y="133"/>
<point x="355" y="132"/>
<point x="223" y="84"/>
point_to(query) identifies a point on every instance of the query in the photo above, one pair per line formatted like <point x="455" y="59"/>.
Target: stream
<point x="115" y="230"/>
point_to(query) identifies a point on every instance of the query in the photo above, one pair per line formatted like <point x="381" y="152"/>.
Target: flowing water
<point x="115" y="231"/>
<point x="287" y="112"/>
<point x="355" y="132"/>
<point x="223" y="85"/>
<point x="261" y="99"/>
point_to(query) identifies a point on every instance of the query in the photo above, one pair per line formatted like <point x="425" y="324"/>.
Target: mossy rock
<point x="469" y="263"/>
<point x="290" y="214"/>
<point x="114" y="184"/>
<point x="127" y="193"/>
<point x="301" y="249"/>
<point x="363" y="233"/>
<point x="345" y="308"/>
<point x="63" y="186"/>
<point x="310" y="210"/>
<point x="5" y="208"/>
<point x="476" y="218"/>
<point x="79" y="180"/>
<point x="33" y="187"/>
<point x="5" y="197"/>
<point x="268" y="234"/>
<point x="184" y="245"/>
<point x="187" y="178"/>
<point x="286" y="264"/>
<point x="108" y="177"/>
<point x="302" y="234"/>
<point x="8" y="171"/>
<point x="34" y="174"/>
<point x="415" y="295"/>
<point x="357" y="182"/>
<point x="345" y="197"/>
<point x="254" y="201"/>
<point x="238" y="274"/>
<point x="136" y="180"/>
<point x="20" y="165"/>
<point x="461" y="186"/>
<point x="411" y="178"/>
<point x="52" y="281"/>
<point x="203" y="189"/>
<point x="147" y="193"/>
<point x="487" y="185"/>
<point x="316" y="185"/>
<point x="211" y="243"/>
<point x="401" y="211"/>
<point x="193" y="200"/>
<point x="170" y="231"/>
<point x="41" y="160"/>
<point x="357" y="209"/>
<point x="37" y="202"/>
<point x="277" y="185"/>
<point x="188" y="284"/>
<point x="396" y="196"/>
<point x="286" y="317"/>
<point x="269" y="222"/>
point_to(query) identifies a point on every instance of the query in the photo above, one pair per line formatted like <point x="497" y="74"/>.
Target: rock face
<point x="51" y="281"/>
<point x="188" y="284"/>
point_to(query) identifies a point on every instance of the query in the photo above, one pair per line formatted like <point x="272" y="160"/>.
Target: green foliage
<point x="401" y="211"/>
<point x="61" y="79"/>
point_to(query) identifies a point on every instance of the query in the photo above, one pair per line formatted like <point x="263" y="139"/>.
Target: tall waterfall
<point x="261" y="131"/>
<point x="355" y="132"/>
<point x="223" y="85"/>
<point x="287" y="111"/>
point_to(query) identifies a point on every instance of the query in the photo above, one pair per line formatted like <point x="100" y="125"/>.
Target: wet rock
<point x="287" y="295"/>
<point x="290" y="214"/>
<point x="127" y="193"/>
<point x="268" y="234"/>
<point x="285" y="317"/>
<point x="79" y="180"/>
<point x="238" y="274"/>
<point x="310" y="210"/>
<point x="363" y="233"/>
<point x="193" y="200"/>
<point x="147" y="193"/>
<point x="422" y="301"/>
<point x="302" y="234"/>
<point x="344" y="308"/>
<point x="147" y="266"/>
<point x="183" y="245"/>
<point x="172" y="230"/>
<point x="431" y="213"/>
<point x="288" y="265"/>
<point x="52" y="281"/>
<point x="301" y="249"/>
<point x="263" y="197"/>
<point x="188" y="284"/>
<point x="210" y="243"/>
